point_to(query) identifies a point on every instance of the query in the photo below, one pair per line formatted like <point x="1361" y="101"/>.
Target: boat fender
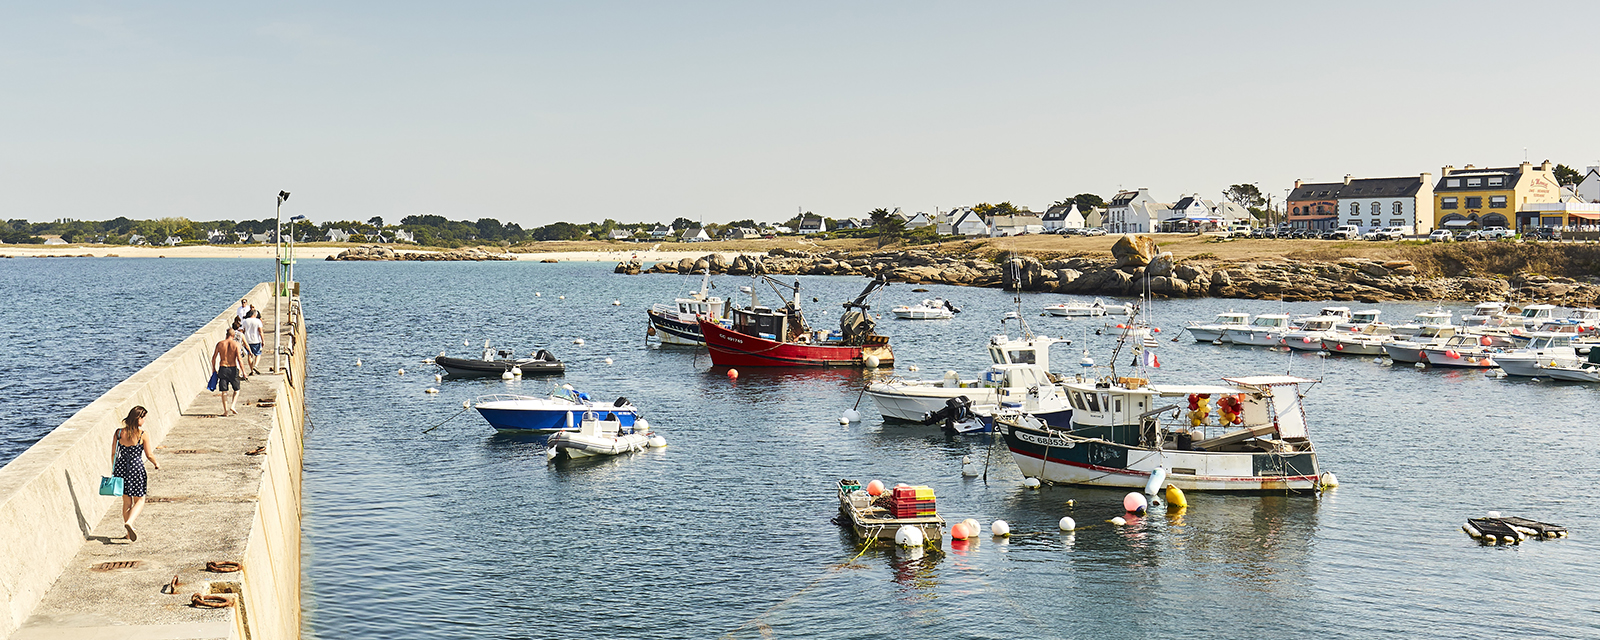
<point x="506" y="375"/>
<point x="875" y="488"/>
<point x="1176" y="499"/>
<point x="1157" y="479"/>
<point x="1000" y="529"/>
<point x="908" y="536"/>
<point x="1119" y="521"/>
<point x="1328" y="480"/>
<point x="1031" y="483"/>
<point x="1134" y="503"/>
<point x="959" y="531"/>
<point x="1067" y="524"/>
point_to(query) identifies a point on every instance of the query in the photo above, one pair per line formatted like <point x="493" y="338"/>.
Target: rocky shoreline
<point x="382" y="253"/>
<point x="1135" y="266"/>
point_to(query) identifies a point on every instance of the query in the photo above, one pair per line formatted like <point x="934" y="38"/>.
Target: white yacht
<point x="1264" y="331"/>
<point x="1214" y="331"/>
<point x="1359" y="320"/>
<point x="1076" y="309"/>
<point x="1485" y="314"/>
<point x="1534" y="315"/>
<point x="1436" y="318"/>
<point x="1587" y="370"/>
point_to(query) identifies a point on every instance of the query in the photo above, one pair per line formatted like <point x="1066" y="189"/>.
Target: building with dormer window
<point x="1475" y="198"/>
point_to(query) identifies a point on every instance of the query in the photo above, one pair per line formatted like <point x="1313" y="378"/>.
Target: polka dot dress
<point x="130" y="467"/>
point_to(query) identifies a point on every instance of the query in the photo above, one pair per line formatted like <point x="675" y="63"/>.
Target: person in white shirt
<point x="252" y="337"/>
<point x="244" y="308"/>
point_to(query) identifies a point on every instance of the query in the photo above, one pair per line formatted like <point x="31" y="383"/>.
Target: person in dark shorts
<point x="127" y="446"/>
<point x="225" y="363"/>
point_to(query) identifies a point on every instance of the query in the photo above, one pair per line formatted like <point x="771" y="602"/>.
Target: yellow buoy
<point x="1175" y="499"/>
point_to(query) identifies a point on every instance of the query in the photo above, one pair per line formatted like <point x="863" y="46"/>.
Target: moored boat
<point x="1217" y="329"/>
<point x="930" y="309"/>
<point x="679" y="323"/>
<point x="1077" y="309"/>
<point x="1264" y="331"/>
<point x="561" y="411"/>
<point x="606" y="436"/>
<point x="1022" y="363"/>
<point x="495" y="363"/>
<point x="1462" y="351"/>
<point x="1368" y="341"/>
<point x="766" y="337"/>
<point x="1120" y="437"/>
<point x="1587" y="370"/>
<point x="1309" y="335"/>
<point x="1436" y="318"/>
<point x="1408" y="349"/>
<point x="1542" y="348"/>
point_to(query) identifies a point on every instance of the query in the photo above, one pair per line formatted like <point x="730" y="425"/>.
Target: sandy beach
<point x="265" y="252"/>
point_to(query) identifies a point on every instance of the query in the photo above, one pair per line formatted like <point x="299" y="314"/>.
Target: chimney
<point x="1470" y="167"/>
<point x="1545" y="166"/>
<point x="1446" y="170"/>
<point x="1347" y="178"/>
<point x="1297" y="184"/>
<point x="1523" y="168"/>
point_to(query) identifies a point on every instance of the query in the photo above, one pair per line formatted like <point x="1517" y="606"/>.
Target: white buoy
<point x="852" y="415"/>
<point x="438" y="378"/>
<point x="358" y="362"/>
<point x="465" y="404"/>
<point x="843" y="420"/>
<point x="908" y="536"/>
<point x="1493" y="514"/>
<point x="657" y="441"/>
<point x="1068" y="524"/>
<point x="1216" y="342"/>
<point x="911" y="368"/>
<point x="466" y="343"/>
<point x="506" y="375"/>
<point x="561" y="297"/>
<point x="870" y="361"/>
<point x="1119" y="521"/>
<point x="608" y="360"/>
<point x="537" y="294"/>
<point x="616" y="303"/>
<point x="516" y="371"/>
<point x="1000" y="529"/>
<point x="1421" y="365"/>
<point x="1158" y="479"/>
<point x="1328" y="480"/>
<point x="1378" y="360"/>
<point x="1533" y="379"/>
<point x="402" y="372"/>
<point x="1031" y="483"/>
<point x="577" y="341"/>
<point x="430" y="390"/>
<point x="968" y="467"/>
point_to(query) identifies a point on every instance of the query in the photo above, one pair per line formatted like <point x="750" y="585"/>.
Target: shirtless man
<point x="225" y="363"/>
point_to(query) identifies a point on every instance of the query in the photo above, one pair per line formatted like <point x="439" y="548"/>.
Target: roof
<point x="1184" y="203"/>
<point x="1359" y="188"/>
<point x="1511" y="174"/>
<point x="1059" y="212"/>
<point x="1268" y="381"/>
<point x="1014" y="221"/>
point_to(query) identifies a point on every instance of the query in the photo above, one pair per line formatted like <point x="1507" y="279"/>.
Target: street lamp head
<point x="299" y="217"/>
<point x="283" y="196"/>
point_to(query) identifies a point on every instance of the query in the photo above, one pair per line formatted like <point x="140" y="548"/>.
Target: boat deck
<point x="876" y="523"/>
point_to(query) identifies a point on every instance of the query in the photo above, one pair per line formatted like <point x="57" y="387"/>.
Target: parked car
<point x="1347" y="232"/>
<point x="1094" y="231"/>
<point x="1467" y="234"/>
<point x="1239" y="230"/>
<point x="1495" y="233"/>
<point x="1440" y="235"/>
<point x="1543" y="233"/>
<point x="1385" y="233"/>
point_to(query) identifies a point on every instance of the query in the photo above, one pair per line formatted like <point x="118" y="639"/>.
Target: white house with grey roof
<point x="1131" y="212"/>
<point x="970" y="223"/>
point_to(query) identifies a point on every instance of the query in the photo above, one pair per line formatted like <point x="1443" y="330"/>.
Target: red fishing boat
<point x="779" y="337"/>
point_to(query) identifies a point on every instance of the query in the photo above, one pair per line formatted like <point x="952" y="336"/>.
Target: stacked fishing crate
<point x="913" y="502"/>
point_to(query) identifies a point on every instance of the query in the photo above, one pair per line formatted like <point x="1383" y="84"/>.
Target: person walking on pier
<point x="252" y="337"/>
<point x="244" y="308"/>
<point x="126" y="448"/>
<point x="225" y="363"/>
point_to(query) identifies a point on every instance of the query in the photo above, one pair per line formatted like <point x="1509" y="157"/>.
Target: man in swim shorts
<point x="225" y="363"/>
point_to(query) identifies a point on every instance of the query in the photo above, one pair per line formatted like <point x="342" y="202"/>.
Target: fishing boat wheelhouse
<point x="779" y="337"/>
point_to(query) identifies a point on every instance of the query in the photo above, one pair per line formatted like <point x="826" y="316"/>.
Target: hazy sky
<point x="534" y="112"/>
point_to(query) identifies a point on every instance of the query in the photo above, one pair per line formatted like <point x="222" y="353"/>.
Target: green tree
<point x="1003" y="209"/>
<point x="1245" y="195"/>
<point x="1567" y="176"/>
<point x="1087" y="201"/>
<point x="684" y="223"/>
<point x="376" y="221"/>
<point x="889" y="226"/>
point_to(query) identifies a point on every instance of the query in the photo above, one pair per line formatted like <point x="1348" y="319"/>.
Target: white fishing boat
<point x="1368" y="341"/>
<point x="1587" y="370"/>
<point x="602" y="436"/>
<point x="1535" y="315"/>
<point x="1359" y="320"/>
<point x="1215" y="330"/>
<point x="1018" y="375"/>
<point x="1309" y="335"/>
<point x="679" y="323"/>
<point x="1408" y="349"/>
<point x="930" y="309"/>
<point x="1127" y="433"/>
<point x="1264" y="331"/>
<point x="1462" y="350"/>
<point x="1544" y="348"/>
<point x="1077" y="309"/>
<point x="1436" y="318"/>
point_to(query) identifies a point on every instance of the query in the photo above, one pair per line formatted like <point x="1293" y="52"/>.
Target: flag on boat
<point x="1150" y="359"/>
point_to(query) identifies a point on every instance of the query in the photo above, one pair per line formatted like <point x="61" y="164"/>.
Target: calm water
<point x="461" y="532"/>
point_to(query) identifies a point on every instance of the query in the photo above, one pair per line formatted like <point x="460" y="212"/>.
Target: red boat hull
<point x="732" y="349"/>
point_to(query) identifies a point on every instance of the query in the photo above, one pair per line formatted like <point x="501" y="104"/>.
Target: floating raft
<point x="872" y="521"/>
<point x="1499" y="530"/>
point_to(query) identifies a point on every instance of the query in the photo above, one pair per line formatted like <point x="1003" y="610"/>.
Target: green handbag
<point x="111" y="485"/>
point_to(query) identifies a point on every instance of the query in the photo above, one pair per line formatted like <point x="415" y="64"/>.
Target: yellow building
<point x="1472" y="197"/>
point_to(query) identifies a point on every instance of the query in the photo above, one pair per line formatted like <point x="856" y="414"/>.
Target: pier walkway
<point x="228" y="491"/>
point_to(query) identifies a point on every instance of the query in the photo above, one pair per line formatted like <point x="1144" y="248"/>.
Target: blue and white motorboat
<point x="679" y="323"/>
<point x="561" y="411"/>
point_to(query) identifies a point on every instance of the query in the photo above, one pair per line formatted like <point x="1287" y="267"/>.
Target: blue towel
<point x="212" y="385"/>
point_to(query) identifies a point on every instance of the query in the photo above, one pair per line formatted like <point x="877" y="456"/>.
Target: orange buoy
<point x="733" y="374"/>
<point x="958" y="531"/>
<point x="875" y="488"/>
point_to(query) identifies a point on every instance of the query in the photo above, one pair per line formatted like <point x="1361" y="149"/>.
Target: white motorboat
<point x="1436" y="318"/>
<point x="1358" y="320"/>
<point x="931" y="309"/>
<point x="1215" y="330"/>
<point x="1587" y="370"/>
<point x="1126" y="431"/>
<point x="1462" y="350"/>
<point x="1485" y="314"/>
<point x="1076" y="309"/>
<point x="1368" y="341"/>
<point x="1534" y="315"/>
<point x="598" y="436"/>
<point x="679" y="323"/>
<point x="1018" y="366"/>
<point x="1544" y="348"/>
<point x="1587" y="317"/>
<point x="1408" y="349"/>
<point x="1264" y="331"/>
<point x="1309" y="335"/>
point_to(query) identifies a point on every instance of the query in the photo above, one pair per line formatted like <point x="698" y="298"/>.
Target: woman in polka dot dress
<point x="126" y="449"/>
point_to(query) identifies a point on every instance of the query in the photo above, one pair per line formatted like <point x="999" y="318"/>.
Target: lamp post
<point x="278" y="286"/>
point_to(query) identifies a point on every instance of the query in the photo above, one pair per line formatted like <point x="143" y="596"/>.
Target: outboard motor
<point x="957" y="409"/>
<point x="621" y="402"/>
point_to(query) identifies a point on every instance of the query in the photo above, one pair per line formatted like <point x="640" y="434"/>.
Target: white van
<point x="1347" y="232"/>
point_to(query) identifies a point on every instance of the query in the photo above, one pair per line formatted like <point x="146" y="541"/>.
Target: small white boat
<point x="1463" y="350"/>
<point x="1019" y="366"/>
<point x="1436" y="318"/>
<point x="1581" y="372"/>
<point x="1309" y="335"/>
<point x="1485" y="314"/>
<point x="602" y="437"/>
<point x="1534" y="315"/>
<point x="1408" y="349"/>
<point x="1077" y="309"/>
<point x="1264" y="331"/>
<point x="1217" y="328"/>
<point x="932" y="309"/>
<point x="1368" y="341"/>
<point x="1544" y="349"/>
<point x="1359" y="320"/>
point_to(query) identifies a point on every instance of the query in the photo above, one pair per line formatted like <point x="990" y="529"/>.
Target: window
<point x="1377" y="208"/>
<point x="1355" y="208"/>
<point x="1297" y="210"/>
<point x="1452" y="182"/>
<point x="1396" y="222"/>
<point x="1497" y="202"/>
<point x="1353" y="222"/>
<point x="1474" y="202"/>
<point x="1497" y="182"/>
<point x="1398" y="209"/>
<point x="1375" y="223"/>
<point x="1474" y="182"/>
<point x="1447" y="203"/>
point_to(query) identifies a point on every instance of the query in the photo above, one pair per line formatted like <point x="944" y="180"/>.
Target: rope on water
<point x="452" y="417"/>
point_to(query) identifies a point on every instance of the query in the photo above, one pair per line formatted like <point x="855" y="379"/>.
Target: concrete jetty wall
<point x="50" y="502"/>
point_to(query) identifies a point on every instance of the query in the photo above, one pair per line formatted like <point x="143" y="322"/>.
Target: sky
<point x="534" y="112"/>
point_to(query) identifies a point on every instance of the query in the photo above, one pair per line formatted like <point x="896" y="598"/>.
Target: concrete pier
<point x="228" y="491"/>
